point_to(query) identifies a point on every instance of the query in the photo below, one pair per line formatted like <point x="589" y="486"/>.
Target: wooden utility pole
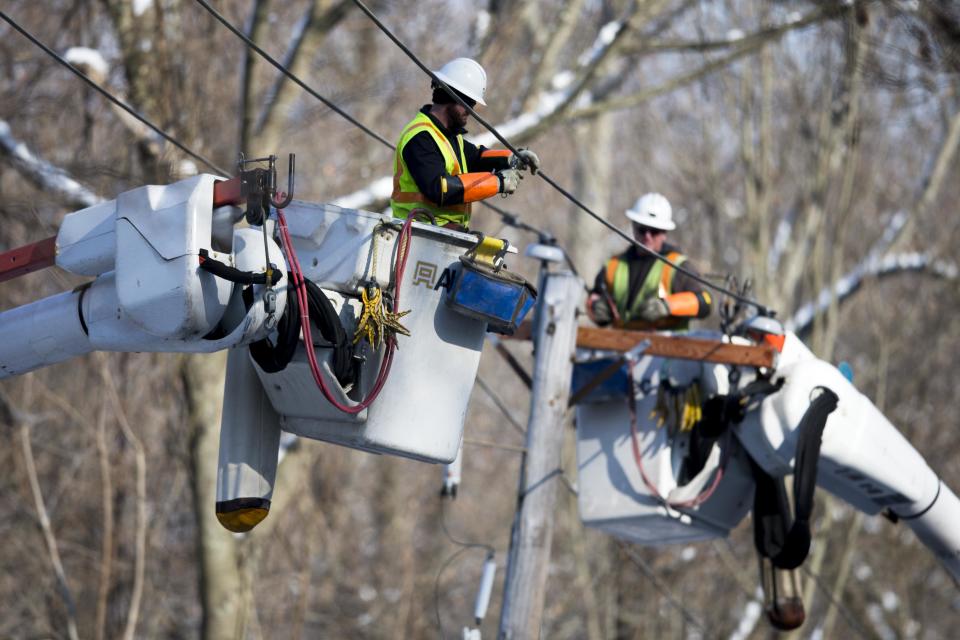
<point x="555" y="332"/>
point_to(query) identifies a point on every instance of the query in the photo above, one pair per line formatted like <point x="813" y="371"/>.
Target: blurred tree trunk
<point x="593" y="181"/>
<point x="221" y="584"/>
<point x="320" y="18"/>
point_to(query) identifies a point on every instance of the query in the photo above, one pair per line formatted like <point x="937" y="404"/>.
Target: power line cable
<point x="760" y="308"/>
<point x="279" y="66"/>
<point x="464" y="546"/>
<point x="436" y="585"/>
<point x="663" y="589"/>
<point x="53" y="54"/>
<point x="848" y="616"/>
<point x="508" y="218"/>
<point x="456" y="541"/>
<point x="501" y="406"/>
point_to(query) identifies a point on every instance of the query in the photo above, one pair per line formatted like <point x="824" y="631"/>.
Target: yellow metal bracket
<point x="489" y="251"/>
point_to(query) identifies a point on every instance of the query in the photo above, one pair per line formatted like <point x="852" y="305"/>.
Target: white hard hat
<point x="466" y="76"/>
<point x="653" y="210"/>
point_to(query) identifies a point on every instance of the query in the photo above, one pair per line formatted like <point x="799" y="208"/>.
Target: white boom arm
<point x="863" y="459"/>
<point x="149" y="294"/>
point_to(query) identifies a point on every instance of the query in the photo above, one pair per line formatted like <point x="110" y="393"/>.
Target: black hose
<point x="232" y="274"/>
<point x="273" y="357"/>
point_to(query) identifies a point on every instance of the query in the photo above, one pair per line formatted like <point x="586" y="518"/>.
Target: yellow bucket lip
<point x="242" y="520"/>
<point x="242" y="514"/>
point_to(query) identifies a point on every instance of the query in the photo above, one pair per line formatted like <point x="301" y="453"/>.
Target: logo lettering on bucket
<point x="425" y="273"/>
<point x="446" y="279"/>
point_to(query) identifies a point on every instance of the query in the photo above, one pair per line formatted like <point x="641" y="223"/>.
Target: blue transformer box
<point x="499" y="297"/>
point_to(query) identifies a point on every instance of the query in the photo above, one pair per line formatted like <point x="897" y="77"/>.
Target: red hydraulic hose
<point x="403" y="244"/>
<point x="685" y="504"/>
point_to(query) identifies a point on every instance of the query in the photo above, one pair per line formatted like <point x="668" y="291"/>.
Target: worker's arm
<point x="481" y="158"/>
<point x="689" y="299"/>
<point x="428" y="169"/>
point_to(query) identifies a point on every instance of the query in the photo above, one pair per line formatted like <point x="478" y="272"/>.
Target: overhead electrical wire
<point x="651" y="575"/>
<point x="436" y="585"/>
<point x="53" y="54"/>
<point x="266" y="56"/>
<point x="464" y="546"/>
<point x="507" y="217"/>
<point x="753" y="303"/>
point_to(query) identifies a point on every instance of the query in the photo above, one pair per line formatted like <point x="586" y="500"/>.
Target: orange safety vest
<point x="658" y="283"/>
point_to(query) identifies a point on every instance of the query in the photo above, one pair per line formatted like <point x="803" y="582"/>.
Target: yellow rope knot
<point x="376" y="321"/>
<point x="679" y="409"/>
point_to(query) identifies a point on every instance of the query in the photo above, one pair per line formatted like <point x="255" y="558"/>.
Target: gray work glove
<point x="600" y="311"/>
<point x="525" y="159"/>
<point x="509" y="180"/>
<point x="654" y="309"/>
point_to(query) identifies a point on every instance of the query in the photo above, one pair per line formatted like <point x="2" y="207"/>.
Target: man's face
<point x="649" y="237"/>
<point x="459" y="115"/>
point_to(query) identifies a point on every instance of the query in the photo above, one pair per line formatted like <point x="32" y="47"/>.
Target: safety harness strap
<point x="787" y="543"/>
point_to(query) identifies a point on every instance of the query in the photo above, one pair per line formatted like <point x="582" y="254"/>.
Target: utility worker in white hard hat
<point x="438" y="172"/>
<point x="635" y="290"/>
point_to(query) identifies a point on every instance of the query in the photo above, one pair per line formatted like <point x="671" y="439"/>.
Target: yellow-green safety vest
<point x="657" y="284"/>
<point x="406" y="195"/>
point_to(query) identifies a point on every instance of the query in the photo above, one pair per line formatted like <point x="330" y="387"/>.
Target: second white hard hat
<point x="466" y="76"/>
<point x="653" y="210"/>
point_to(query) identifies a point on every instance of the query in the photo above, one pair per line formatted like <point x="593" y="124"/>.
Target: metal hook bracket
<point x="258" y="186"/>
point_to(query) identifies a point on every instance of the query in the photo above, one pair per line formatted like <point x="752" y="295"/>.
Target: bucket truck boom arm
<point x="150" y="293"/>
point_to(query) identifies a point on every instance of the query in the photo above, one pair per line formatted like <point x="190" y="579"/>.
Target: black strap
<point x="787" y="543"/>
<point x="273" y="357"/>
<point x="721" y="411"/>
<point x="232" y="274"/>
<point x="325" y="318"/>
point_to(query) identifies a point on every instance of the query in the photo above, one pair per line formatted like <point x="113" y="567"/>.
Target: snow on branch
<point x="871" y="267"/>
<point x="741" y="47"/>
<point x="93" y="64"/>
<point x="379" y="190"/>
<point x="89" y="61"/>
<point x="749" y="618"/>
<point x="41" y="173"/>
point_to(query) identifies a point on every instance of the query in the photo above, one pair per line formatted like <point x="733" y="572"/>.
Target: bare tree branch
<point x="890" y="265"/>
<point x="43" y="517"/>
<point x="750" y="44"/>
<point x="41" y="173"/>
<point x="106" y="545"/>
<point x="314" y="26"/>
<point x="256" y="25"/>
<point x="140" y="535"/>
<point x="935" y="180"/>
<point x="546" y="62"/>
